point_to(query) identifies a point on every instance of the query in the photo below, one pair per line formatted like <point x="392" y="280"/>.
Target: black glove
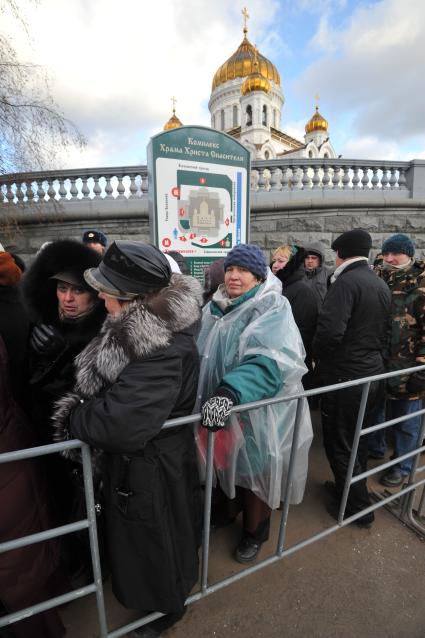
<point x="215" y="412"/>
<point x="416" y="382"/>
<point x="46" y="340"/>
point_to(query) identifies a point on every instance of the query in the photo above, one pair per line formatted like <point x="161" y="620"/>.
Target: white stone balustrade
<point x="286" y="178"/>
<point x="75" y="185"/>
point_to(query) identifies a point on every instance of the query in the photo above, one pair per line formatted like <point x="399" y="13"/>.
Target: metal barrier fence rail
<point x="405" y="493"/>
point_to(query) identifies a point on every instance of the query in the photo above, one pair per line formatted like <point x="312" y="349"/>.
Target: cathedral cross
<point x="245" y="19"/>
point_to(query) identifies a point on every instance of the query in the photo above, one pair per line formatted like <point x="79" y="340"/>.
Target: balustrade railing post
<point x="51" y="192"/>
<point x="316" y="177"/>
<point x="261" y="183"/>
<point x="393" y="178"/>
<point x="120" y="187"/>
<point x="326" y="177"/>
<point x="375" y="178"/>
<point x="356" y="178"/>
<point x="85" y="191"/>
<point x="365" y="178"/>
<point x="345" y="177"/>
<point x="285" y="178"/>
<point x="96" y="187"/>
<point x="73" y="191"/>
<point x="275" y="181"/>
<point x="335" y="177"/>
<point x="62" y="190"/>
<point x="305" y="180"/>
<point x="402" y="179"/>
<point x="108" y="188"/>
<point x="133" y="186"/>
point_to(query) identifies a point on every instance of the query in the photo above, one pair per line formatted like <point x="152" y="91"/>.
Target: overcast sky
<point x="115" y="66"/>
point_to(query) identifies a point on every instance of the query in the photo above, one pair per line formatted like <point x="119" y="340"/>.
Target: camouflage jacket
<point x="407" y="338"/>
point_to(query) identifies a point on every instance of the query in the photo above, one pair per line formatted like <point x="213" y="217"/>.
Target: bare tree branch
<point x="33" y="130"/>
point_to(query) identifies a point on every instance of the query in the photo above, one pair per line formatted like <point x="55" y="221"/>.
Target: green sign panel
<point x="198" y="194"/>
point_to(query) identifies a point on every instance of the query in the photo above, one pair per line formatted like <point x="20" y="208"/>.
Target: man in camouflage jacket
<point x="405" y="277"/>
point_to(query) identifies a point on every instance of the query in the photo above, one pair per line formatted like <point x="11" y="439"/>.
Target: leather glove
<point x="416" y="382"/>
<point x="215" y="412"/>
<point x="46" y="340"/>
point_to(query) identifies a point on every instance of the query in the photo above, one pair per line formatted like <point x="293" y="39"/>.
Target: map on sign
<point x="199" y="206"/>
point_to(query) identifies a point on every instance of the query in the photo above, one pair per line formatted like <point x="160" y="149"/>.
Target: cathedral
<point x="246" y="102"/>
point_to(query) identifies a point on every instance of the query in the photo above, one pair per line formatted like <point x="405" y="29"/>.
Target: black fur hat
<point x="39" y="290"/>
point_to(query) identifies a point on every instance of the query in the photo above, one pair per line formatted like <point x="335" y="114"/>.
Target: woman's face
<point x="279" y="262"/>
<point x="113" y="305"/>
<point x="238" y="280"/>
<point x="73" y="300"/>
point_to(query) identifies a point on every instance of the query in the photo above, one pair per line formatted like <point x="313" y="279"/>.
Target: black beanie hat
<point x="353" y="243"/>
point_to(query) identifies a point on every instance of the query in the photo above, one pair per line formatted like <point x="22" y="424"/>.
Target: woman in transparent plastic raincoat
<point x="251" y="349"/>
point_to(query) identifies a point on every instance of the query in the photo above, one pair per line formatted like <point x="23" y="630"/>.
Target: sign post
<point x="198" y="194"/>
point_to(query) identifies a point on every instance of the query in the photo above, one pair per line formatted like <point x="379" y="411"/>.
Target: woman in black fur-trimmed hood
<point x="140" y="371"/>
<point x="66" y="314"/>
<point x="53" y="289"/>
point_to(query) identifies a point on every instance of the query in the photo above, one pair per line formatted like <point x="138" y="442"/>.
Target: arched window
<point x="222" y="119"/>
<point x="264" y="115"/>
<point x="249" y="115"/>
<point x="326" y="155"/>
<point x="310" y="153"/>
<point x="266" y="155"/>
<point x="235" y="115"/>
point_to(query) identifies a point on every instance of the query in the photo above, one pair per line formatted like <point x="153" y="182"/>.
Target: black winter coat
<point x="303" y="304"/>
<point x="24" y="572"/>
<point x="140" y="371"/>
<point x="352" y="328"/>
<point x="52" y="375"/>
<point x="14" y="328"/>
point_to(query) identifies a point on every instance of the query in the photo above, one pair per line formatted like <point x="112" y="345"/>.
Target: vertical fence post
<point x="354" y="449"/>
<point x="291" y="468"/>
<point x="408" y="499"/>
<point x="207" y="511"/>
<point x="94" y="546"/>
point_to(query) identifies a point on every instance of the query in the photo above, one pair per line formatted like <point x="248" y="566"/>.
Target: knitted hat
<point x="247" y="256"/>
<point x="353" y="243"/>
<point x="399" y="243"/>
<point x="10" y="274"/>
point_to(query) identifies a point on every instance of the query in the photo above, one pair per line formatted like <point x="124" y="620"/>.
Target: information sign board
<point x="198" y="194"/>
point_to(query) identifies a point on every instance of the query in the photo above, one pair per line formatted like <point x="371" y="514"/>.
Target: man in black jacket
<point x="349" y="343"/>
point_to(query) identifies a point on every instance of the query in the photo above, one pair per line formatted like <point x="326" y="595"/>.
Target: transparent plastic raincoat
<point x="253" y="450"/>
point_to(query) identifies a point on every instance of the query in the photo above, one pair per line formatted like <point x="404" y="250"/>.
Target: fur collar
<point x="142" y="329"/>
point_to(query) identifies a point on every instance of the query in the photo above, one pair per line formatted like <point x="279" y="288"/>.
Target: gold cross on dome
<point x="245" y="19"/>
<point x="173" y="99"/>
<point x="317" y="101"/>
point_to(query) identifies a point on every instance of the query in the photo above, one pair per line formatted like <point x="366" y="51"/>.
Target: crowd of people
<point x="105" y="343"/>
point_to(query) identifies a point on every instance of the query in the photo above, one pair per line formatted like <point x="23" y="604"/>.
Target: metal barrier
<point x="406" y="495"/>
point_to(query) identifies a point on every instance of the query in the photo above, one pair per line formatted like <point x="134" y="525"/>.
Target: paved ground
<point x="353" y="584"/>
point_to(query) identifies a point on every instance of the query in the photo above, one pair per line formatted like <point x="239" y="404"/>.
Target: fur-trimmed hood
<point x="38" y="290"/>
<point x="143" y="328"/>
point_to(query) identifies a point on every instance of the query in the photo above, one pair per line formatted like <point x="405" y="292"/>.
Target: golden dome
<point x="316" y="123"/>
<point x="256" y="81"/>
<point x="173" y="122"/>
<point x="241" y="64"/>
